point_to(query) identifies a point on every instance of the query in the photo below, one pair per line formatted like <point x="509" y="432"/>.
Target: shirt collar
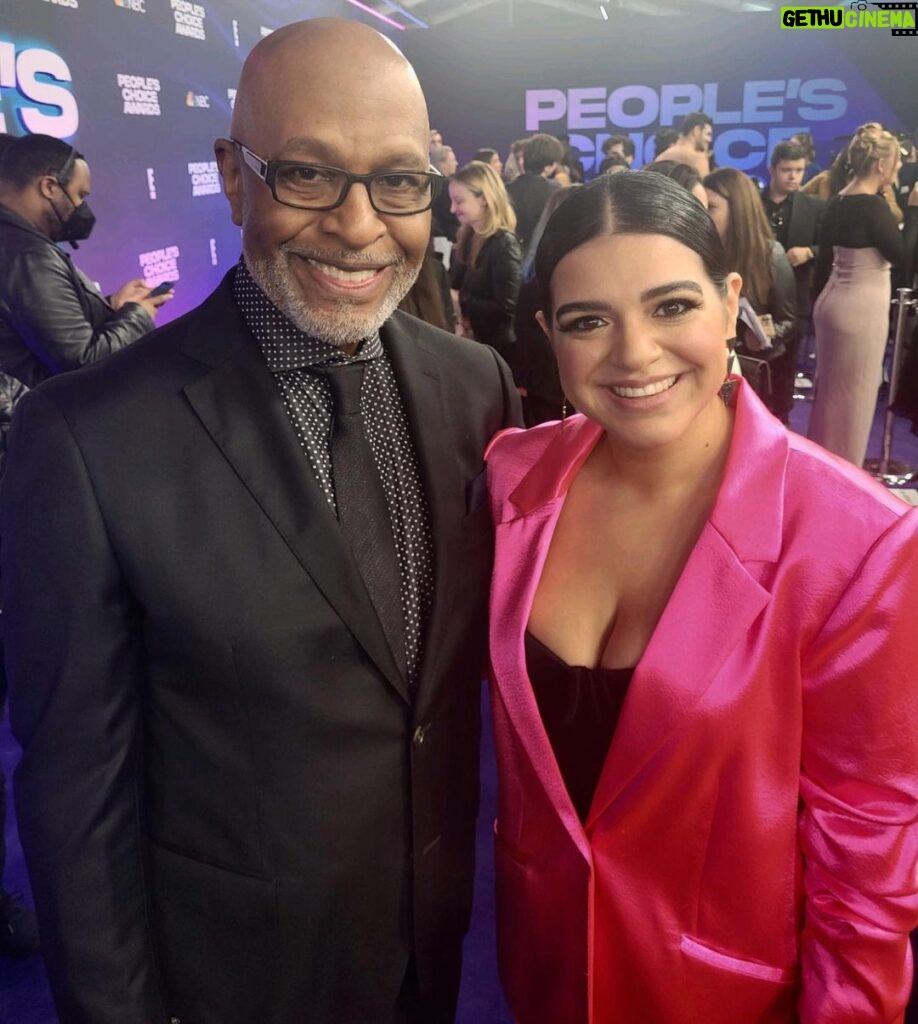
<point x="284" y="345"/>
<point x="788" y="199"/>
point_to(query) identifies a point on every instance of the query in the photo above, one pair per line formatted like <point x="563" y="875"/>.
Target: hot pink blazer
<point x="750" y="853"/>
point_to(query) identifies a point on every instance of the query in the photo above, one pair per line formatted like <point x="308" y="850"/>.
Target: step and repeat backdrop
<point x="142" y="87"/>
<point x="759" y="81"/>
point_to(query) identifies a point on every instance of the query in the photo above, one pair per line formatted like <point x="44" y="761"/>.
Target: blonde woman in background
<point x="485" y="264"/>
<point x="829" y="183"/>
<point x="858" y="242"/>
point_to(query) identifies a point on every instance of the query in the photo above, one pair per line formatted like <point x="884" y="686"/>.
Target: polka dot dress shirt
<point x="293" y="358"/>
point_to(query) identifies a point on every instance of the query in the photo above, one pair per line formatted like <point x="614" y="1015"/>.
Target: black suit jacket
<point x="232" y="809"/>
<point x="803" y="229"/>
<point x="529" y="193"/>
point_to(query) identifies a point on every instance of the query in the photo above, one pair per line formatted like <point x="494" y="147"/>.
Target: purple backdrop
<point x="143" y="87"/>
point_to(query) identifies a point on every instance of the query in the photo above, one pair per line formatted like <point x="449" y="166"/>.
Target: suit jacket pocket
<point x="214" y="892"/>
<point x="725" y="961"/>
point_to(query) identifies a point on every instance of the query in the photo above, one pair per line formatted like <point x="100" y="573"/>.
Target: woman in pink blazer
<point x="704" y="660"/>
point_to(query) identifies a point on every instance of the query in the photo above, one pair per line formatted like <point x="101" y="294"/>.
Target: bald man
<point x="244" y="616"/>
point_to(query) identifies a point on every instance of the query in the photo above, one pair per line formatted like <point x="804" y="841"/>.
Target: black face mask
<point x="78" y="226"/>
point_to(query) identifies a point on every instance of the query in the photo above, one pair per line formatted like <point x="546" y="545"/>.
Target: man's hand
<point x="152" y="303"/>
<point x="138" y="291"/>
<point x="798" y="255"/>
<point x="133" y="291"/>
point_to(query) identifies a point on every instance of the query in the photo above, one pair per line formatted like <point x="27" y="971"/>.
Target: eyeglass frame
<point x="267" y="170"/>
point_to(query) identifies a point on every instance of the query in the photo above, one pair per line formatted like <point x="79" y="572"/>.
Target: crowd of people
<point x="773" y="233"/>
<point x="253" y="564"/>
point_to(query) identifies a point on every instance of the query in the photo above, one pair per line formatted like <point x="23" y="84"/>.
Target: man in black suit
<point x="245" y="610"/>
<point x="533" y="188"/>
<point x="795" y="219"/>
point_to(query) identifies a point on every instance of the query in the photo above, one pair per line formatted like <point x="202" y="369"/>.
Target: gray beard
<point x="345" y="325"/>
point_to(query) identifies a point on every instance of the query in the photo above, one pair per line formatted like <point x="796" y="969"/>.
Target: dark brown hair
<point x="749" y="235"/>
<point x="642" y="204"/>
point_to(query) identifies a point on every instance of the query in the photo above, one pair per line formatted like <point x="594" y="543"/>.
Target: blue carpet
<point x="24" y="996"/>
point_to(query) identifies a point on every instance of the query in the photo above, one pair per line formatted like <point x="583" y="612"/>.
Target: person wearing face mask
<point x="52" y="317"/>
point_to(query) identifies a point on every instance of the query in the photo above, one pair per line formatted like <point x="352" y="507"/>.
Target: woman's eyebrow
<point x="595" y="306"/>
<point x="582" y="306"/>
<point x="673" y="286"/>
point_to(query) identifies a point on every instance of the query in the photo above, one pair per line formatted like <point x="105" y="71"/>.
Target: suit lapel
<point x="432" y="428"/>
<point x="239" y="404"/>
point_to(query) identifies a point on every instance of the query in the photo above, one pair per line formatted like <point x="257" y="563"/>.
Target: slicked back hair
<point x="639" y="204"/>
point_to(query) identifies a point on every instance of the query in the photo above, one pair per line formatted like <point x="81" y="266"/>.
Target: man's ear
<point x="229" y="162"/>
<point x="47" y="184"/>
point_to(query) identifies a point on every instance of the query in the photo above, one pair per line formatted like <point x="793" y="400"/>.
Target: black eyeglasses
<point x="319" y="187"/>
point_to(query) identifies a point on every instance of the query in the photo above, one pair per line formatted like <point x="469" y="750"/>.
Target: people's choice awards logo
<point x="205" y="178"/>
<point x="189" y="19"/>
<point x="140" y="95"/>
<point x="160" y="265"/>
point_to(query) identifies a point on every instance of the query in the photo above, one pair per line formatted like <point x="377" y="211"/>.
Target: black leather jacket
<point x="52" y="318"/>
<point x="489" y="289"/>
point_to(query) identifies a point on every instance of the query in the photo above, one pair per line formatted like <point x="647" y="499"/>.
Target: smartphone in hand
<point x="161" y="289"/>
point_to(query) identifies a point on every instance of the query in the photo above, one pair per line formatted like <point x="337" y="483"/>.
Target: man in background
<point x="530" y="191"/>
<point x="619" y="145"/>
<point x="445" y="224"/>
<point x="693" y="146"/>
<point x="795" y="219"/>
<point x="245" y="615"/>
<point x="52" y="317"/>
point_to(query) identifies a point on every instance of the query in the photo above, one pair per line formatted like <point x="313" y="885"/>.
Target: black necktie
<point x="362" y="509"/>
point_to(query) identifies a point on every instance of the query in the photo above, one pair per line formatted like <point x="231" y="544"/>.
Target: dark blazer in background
<point x="529" y="193"/>
<point x="488" y="290"/>
<point x="534" y="365"/>
<point x="803" y="229"/>
<point x="233" y="810"/>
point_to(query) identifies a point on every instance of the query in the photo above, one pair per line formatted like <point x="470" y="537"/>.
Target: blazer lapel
<point x="240" y="406"/>
<point x="681" y="661"/>
<point x="432" y="430"/>
<point x="714" y="604"/>
<point x="684" y="654"/>
<point x="521" y="549"/>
